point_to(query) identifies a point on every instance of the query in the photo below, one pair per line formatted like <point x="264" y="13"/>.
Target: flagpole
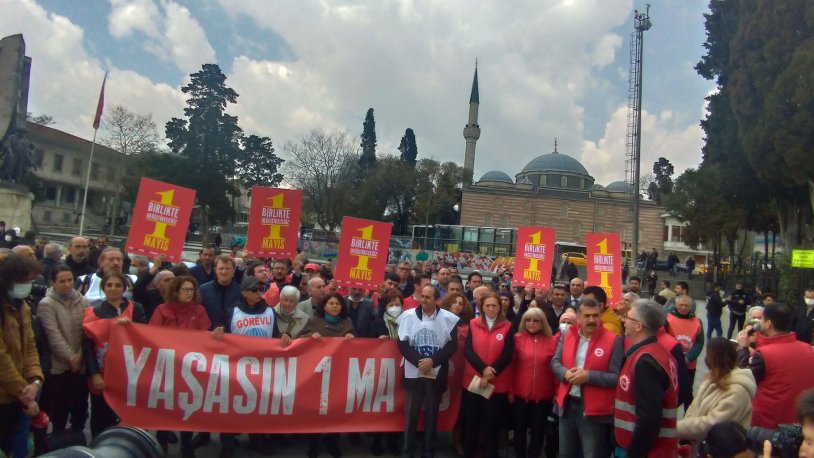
<point x="87" y="184"/>
<point x="97" y="119"/>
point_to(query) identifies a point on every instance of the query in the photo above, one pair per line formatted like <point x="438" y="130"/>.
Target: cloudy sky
<point x="547" y="69"/>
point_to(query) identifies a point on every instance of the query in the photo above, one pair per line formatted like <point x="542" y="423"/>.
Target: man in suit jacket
<point x="361" y="313"/>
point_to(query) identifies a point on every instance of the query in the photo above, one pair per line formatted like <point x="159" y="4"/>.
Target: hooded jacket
<point x="62" y="321"/>
<point x="713" y="405"/>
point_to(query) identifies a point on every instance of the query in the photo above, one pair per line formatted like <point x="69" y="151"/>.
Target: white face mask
<point x="20" y="290"/>
<point x="133" y="270"/>
<point x="394" y="311"/>
<point x="564" y="327"/>
<point x="809" y="302"/>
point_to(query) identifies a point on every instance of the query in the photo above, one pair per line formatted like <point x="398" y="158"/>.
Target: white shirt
<point x="579" y="361"/>
<point x="426" y="336"/>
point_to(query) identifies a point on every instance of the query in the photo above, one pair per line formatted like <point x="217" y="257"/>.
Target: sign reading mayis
<point x="160" y="219"/>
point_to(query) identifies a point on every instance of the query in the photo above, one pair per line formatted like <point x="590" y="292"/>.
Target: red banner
<point x="169" y="379"/>
<point x="533" y="258"/>
<point x="160" y="219"/>
<point x="362" y="255"/>
<point x="274" y="222"/>
<point x="604" y="264"/>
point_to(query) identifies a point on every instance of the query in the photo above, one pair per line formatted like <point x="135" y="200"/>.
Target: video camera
<point x="786" y="440"/>
<point x="115" y="442"/>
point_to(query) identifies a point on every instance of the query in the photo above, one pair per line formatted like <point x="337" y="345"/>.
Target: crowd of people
<point x="558" y="372"/>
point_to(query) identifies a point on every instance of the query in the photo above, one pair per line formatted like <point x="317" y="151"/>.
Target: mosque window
<point x="582" y="183"/>
<point x="577" y="229"/>
<point x="504" y="220"/>
<point x="543" y="180"/>
<point x="564" y="209"/>
<point x="564" y="181"/>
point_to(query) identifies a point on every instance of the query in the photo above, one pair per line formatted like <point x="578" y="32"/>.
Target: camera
<point x="115" y="442"/>
<point x="786" y="440"/>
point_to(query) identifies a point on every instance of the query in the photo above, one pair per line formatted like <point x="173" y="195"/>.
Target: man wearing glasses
<point x="647" y="391"/>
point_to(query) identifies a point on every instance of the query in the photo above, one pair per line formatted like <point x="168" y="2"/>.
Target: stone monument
<point x="16" y="151"/>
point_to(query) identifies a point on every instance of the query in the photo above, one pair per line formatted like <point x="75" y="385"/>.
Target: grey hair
<point x="684" y="298"/>
<point x="52" y="251"/>
<point x="138" y="257"/>
<point x="651" y="315"/>
<point x="289" y="291"/>
<point x="314" y="281"/>
<point x="632" y="296"/>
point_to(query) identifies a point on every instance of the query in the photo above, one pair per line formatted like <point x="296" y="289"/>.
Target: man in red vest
<point x="647" y="392"/>
<point x="781" y="364"/>
<point x="587" y="363"/>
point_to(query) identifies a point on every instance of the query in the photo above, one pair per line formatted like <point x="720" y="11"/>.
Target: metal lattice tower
<point x="641" y="23"/>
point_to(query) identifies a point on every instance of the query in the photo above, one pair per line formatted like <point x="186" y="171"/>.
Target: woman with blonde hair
<point x="725" y="394"/>
<point x="534" y="382"/>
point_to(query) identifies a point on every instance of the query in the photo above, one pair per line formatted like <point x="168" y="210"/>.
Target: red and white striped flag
<point x="100" y="105"/>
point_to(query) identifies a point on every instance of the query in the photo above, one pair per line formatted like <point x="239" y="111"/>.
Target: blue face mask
<point x="332" y="319"/>
<point x="20" y="290"/>
<point x="133" y="270"/>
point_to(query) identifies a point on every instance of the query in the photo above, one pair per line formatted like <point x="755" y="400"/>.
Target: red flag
<point x="100" y="105"/>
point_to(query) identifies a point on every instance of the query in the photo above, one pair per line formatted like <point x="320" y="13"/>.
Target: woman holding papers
<point x="487" y="376"/>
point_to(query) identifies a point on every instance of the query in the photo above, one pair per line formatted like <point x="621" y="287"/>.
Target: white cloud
<point x="173" y="35"/>
<point x="65" y="80"/>
<point x="605" y="50"/>
<point x="662" y="136"/>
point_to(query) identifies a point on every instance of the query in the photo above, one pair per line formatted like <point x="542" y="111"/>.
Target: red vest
<point x="596" y="401"/>
<point x="789" y="365"/>
<point x="533" y="379"/>
<point x="488" y="345"/>
<point x="685" y="330"/>
<point x="624" y="420"/>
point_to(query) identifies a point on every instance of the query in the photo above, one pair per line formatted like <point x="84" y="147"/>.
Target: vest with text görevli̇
<point x="488" y="345"/>
<point x="596" y="401"/>
<point x="789" y="370"/>
<point x="624" y="420"/>
<point x="686" y="333"/>
<point x="257" y="325"/>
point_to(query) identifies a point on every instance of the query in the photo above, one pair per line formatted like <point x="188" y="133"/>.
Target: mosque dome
<point x="496" y="176"/>
<point x="619" y="186"/>
<point x="598" y="187"/>
<point x="555" y="162"/>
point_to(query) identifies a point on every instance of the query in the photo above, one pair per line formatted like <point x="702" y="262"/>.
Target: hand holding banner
<point x="362" y="256"/>
<point x="160" y="219"/>
<point x="274" y="222"/>
<point x="604" y="264"/>
<point x="534" y="255"/>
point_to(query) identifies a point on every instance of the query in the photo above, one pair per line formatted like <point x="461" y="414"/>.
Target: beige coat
<point x="62" y="321"/>
<point x="294" y="325"/>
<point x="713" y="405"/>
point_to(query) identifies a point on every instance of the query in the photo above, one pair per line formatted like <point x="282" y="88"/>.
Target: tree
<point x="644" y="184"/>
<point x="367" y="161"/>
<point x="408" y="148"/>
<point x="41" y="119"/>
<point x="209" y="151"/>
<point x="258" y="165"/>
<point x="438" y="190"/>
<point x="662" y="183"/>
<point x="323" y="165"/>
<point x="383" y="194"/>
<point x="128" y="132"/>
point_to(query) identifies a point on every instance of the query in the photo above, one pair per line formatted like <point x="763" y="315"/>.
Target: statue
<point x="17" y="158"/>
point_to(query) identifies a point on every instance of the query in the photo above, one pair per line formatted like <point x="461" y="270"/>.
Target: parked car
<point x="577" y="258"/>
<point x="664" y="267"/>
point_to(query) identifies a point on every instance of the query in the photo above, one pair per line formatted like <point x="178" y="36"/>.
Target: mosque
<point x="556" y="190"/>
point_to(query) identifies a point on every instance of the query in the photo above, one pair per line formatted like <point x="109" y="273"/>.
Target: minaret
<point x="471" y="131"/>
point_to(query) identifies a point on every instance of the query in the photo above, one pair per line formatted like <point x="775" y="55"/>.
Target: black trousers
<point x="530" y="416"/>
<point x="482" y="415"/>
<point x="101" y="415"/>
<point x="739" y="320"/>
<point x="65" y="395"/>
<point x="421" y="394"/>
<point x="10" y="415"/>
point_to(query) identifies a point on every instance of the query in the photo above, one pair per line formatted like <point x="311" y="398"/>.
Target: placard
<point x="604" y="264"/>
<point x="362" y="255"/>
<point x="533" y="257"/>
<point x="274" y="222"/>
<point x="160" y="220"/>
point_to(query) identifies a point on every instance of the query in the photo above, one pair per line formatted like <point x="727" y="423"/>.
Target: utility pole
<point x="641" y="23"/>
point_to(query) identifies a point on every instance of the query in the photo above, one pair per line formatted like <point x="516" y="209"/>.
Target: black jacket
<point x="440" y="358"/>
<point x="804" y="324"/>
<point x="105" y="310"/>
<point x="715" y="305"/>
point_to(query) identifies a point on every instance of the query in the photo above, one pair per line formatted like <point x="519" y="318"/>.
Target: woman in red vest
<point x="114" y="309"/>
<point x="488" y="351"/>
<point x="460" y="306"/>
<point x="183" y="310"/>
<point x="689" y="331"/>
<point x="533" y="389"/>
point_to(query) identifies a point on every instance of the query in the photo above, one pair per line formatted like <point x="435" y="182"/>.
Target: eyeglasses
<point x="253" y="290"/>
<point x="188" y="290"/>
<point x="632" y="319"/>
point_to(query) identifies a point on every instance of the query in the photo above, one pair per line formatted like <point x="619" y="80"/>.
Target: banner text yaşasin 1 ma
<point x="168" y="379"/>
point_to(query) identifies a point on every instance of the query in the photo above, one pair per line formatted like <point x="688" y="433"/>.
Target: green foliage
<point x="210" y="153"/>
<point x="438" y="190"/>
<point x="662" y="183"/>
<point x="367" y="161"/>
<point x="408" y="148"/>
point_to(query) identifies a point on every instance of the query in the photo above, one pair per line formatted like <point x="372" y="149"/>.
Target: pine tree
<point x="367" y="161"/>
<point x="408" y="148"/>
